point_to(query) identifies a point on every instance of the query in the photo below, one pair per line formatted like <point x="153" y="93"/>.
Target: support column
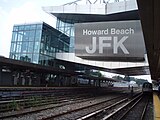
<point x="99" y="83"/>
<point x="69" y="80"/>
<point x="89" y="82"/>
<point x="15" y="80"/>
<point x="56" y="80"/>
<point x="30" y="81"/>
<point x="60" y="80"/>
<point x="76" y="80"/>
<point x="23" y="80"/>
<point x="65" y="82"/>
<point x="94" y="83"/>
<point x="38" y="80"/>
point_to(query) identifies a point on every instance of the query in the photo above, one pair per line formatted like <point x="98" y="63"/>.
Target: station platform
<point x="156" y="102"/>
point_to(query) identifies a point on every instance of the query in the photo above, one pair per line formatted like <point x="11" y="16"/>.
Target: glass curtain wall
<point x="26" y="42"/>
<point x="68" y="29"/>
<point x="37" y="43"/>
<point x="52" y="41"/>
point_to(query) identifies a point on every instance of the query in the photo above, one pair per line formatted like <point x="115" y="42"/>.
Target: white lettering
<point x="102" y="44"/>
<point x="93" y="50"/>
<point x="84" y="32"/>
<point x="95" y="32"/>
<point x="122" y="31"/>
<point x="116" y="44"/>
<point x="119" y="43"/>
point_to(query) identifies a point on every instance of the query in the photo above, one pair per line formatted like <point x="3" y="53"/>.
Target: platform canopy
<point x="129" y="71"/>
<point x="7" y="63"/>
<point x="133" y="71"/>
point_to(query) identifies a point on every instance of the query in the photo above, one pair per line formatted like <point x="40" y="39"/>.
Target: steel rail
<point x="121" y="118"/>
<point x="78" y="109"/>
<point x="122" y="107"/>
<point x="144" y="110"/>
<point x="102" y="110"/>
<point x="42" y="109"/>
<point x="42" y="101"/>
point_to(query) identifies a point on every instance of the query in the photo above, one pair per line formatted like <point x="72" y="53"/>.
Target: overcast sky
<point x="22" y="11"/>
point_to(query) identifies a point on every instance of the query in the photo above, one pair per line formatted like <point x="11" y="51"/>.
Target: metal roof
<point x="21" y="65"/>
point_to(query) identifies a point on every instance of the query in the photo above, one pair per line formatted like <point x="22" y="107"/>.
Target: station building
<point x="42" y="44"/>
<point x="37" y="43"/>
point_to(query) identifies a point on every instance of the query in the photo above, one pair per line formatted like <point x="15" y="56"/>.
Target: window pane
<point x="30" y="47"/>
<point x="35" y="58"/>
<point x="38" y="35"/>
<point x="24" y="46"/>
<point x="11" y="55"/>
<point x="21" y="27"/>
<point x="39" y="26"/>
<point x="13" y="47"/>
<point x="27" y="27"/>
<point x="31" y="38"/>
<point x="22" y="57"/>
<point x="33" y="27"/>
<point x="41" y="59"/>
<point x="26" y="36"/>
<point x="14" y="36"/>
<point x="28" y="57"/>
<point x="36" y="47"/>
<point x="18" y="48"/>
<point x="32" y="33"/>
<point x="42" y="48"/>
<point x="17" y="56"/>
<point x="20" y="36"/>
<point x="15" y="28"/>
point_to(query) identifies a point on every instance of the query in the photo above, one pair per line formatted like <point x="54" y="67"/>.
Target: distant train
<point x="147" y="87"/>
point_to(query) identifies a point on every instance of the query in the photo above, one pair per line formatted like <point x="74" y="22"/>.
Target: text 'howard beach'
<point x="111" y="31"/>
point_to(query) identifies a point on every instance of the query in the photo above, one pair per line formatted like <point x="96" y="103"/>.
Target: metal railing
<point x="94" y="2"/>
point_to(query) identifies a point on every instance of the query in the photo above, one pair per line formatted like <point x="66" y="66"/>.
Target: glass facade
<point x="68" y="29"/>
<point x="37" y="43"/>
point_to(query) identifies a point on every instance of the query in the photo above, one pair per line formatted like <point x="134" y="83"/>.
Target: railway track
<point x="10" y="105"/>
<point x="28" y="115"/>
<point x="50" y="97"/>
<point x="60" y="109"/>
<point x="97" y="115"/>
<point x="49" y="102"/>
<point x="135" y="109"/>
<point x="28" y="99"/>
<point x="77" y="112"/>
<point x="39" y="109"/>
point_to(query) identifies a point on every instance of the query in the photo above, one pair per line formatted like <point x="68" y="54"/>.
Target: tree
<point x="118" y="77"/>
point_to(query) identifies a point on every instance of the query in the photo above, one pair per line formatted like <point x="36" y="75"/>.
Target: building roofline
<point x="30" y="23"/>
<point x="76" y="18"/>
